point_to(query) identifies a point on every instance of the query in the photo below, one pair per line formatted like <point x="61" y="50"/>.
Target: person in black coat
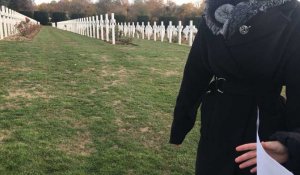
<point x="244" y="53"/>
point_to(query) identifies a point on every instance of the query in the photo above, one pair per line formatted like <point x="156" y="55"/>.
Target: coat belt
<point x="222" y="85"/>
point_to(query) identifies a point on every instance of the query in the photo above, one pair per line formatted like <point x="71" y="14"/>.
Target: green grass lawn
<point x="75" y="105"/>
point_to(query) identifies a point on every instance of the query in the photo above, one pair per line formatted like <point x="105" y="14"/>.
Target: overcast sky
<point x="177" y="1"/>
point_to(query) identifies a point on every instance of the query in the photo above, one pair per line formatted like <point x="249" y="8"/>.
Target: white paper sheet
<point x="266" y="165"/>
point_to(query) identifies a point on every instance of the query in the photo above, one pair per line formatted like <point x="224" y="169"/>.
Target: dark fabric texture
<point x="255" y="66"/>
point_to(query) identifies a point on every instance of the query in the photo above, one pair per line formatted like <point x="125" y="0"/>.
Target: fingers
<point x="270" y="146"/>
<point x="248" y="163"/>
<point x="276" y="150"/>
<point x="247" y="159"/>
<point x="273" y="146"/>
<point x="246" y="147"/>
<point x="247" y="156"/>
<point x="253" y="170"/>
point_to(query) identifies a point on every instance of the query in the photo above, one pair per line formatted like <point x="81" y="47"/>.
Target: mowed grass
<point x="76" y="105"/>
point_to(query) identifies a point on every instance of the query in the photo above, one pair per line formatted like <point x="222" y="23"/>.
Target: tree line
<point x="138" y="11"/>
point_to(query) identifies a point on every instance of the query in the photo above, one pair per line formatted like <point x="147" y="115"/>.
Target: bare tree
<point x="104" y="6"/>
<point x="4" y="2"/>
<point x="153" y="9"/>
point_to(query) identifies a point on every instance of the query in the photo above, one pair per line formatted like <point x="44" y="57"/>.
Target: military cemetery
<point x="89" y="88"/>
<point x="95" y="27"/>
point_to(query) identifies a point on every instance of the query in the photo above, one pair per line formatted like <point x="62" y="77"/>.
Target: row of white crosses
<point x="93" y="27"/>
<point x="155" y="31"/>
<point x="9" y="20"/>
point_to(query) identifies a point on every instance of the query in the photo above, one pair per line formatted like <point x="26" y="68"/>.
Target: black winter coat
<point x="255" y="65"/>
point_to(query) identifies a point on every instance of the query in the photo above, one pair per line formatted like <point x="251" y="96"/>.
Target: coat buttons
<point x="244" y="29"/>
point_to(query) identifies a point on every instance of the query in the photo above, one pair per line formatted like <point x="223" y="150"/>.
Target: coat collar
<point x="263" y="24"/>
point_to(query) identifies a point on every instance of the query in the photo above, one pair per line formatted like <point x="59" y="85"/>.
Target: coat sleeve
<point x="292" y="80"/>
<point x="292" y="141"/>
<point x="195" y="80"/>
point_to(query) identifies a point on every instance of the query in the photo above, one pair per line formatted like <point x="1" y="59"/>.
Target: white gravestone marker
<point x="133" y="29"/>
<point x="113" y="25"/>
<point x="186" y="32"/>
<point x="101" y="27"/>
<point x="125" y="29"/>
<point x="94" y="26"/>
<point x="107" y="27"/>
<point x="149" y="31"/>
<point x="1" y="24"/>
<point x="129" y="29"/>
<point x="91" y="27"/>
<point x="143" y="30"/>
<point x="162" y="31"/>
<point x="9" y="22"/>
<point x="169" y="32"/>
<point x="191" y="33"/>
<point x="155" y="31"/>
<point x="4" y="21"/>
<point x="138" y="28"/>
<point x="179" y="28"/>
<point x="87" y="26"/>
<point x="97" y="27"/>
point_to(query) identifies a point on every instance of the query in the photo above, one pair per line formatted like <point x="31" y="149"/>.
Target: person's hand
<point x="275" y="149"/>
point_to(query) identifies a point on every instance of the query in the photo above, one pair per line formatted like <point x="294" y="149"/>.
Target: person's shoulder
<point x="293" y="11"/>
<point x="203" y="24"/>
<point x="201" y="21"/>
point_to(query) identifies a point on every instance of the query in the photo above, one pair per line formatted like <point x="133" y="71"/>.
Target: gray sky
<point x="177" y="1"/>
